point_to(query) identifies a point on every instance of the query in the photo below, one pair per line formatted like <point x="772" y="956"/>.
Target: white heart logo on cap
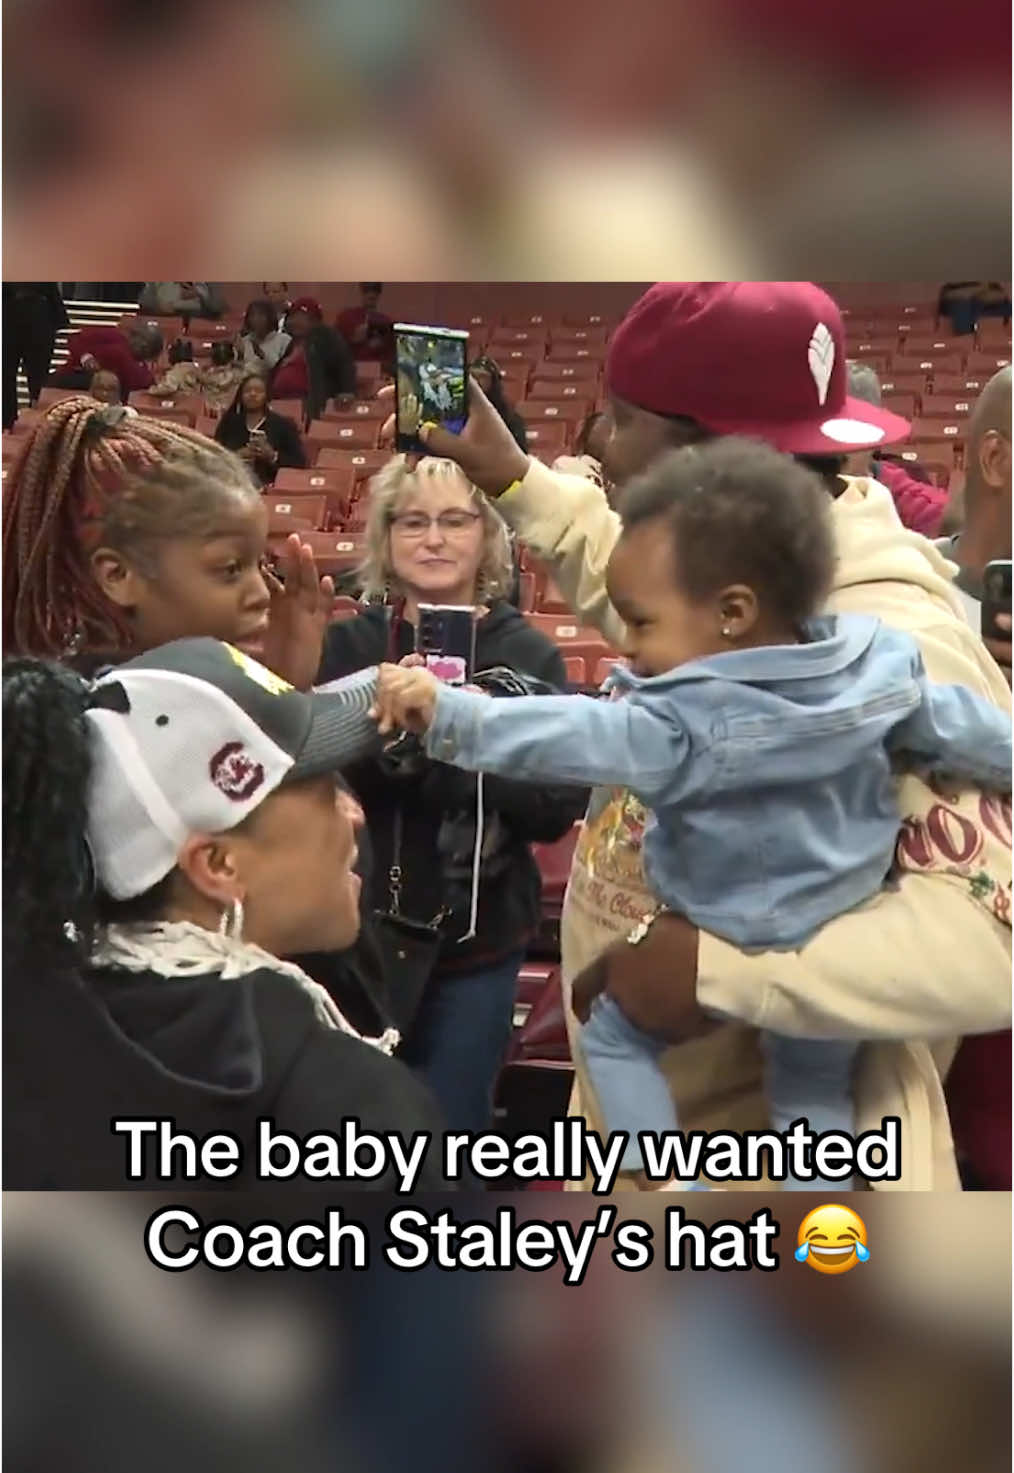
<point x="821" y="359"/>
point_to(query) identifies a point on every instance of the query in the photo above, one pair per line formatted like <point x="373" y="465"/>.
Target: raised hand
<point x="301" y="609"/>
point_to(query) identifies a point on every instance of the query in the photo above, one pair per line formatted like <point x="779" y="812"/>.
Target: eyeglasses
<point x="451" y="523"/>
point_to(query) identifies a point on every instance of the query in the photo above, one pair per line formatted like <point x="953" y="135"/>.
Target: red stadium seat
<point x="930" y="345"/>
<point x="336" y="552"/>
<point x="323" y="510"/>
<point x="291" y="409"/>
<point x="948" y="406"/>
<point x="206" y="426"/>
<point x="217" y="329"/>
<point x="586" y="337"/>
<point x="579" y="372"/>
<point x="526" y="592"/>
<point x="603" y="669"/>
<point x="993" y="335"/>
<point x="367" y="409"/>
<point x="962" y="384"/>
<point x="554" y="862"/>
<point x="874" y="347"/>
<point x="283" y="524"/>
<point x="532" y="978"/>
<point x="986" y="364"/>
<point x="156" y="404"/>
<point x="929" y="363"/>
<point x="517" y="361"/>
<point x="952" y="430"/>
<point x="551" y="600"/>
<point x="903" y="383"/>
<point x="574" y="665"/>
<point x="584" y="390"/>
<point x="576" y="353"/>
<point x="528" y="339"/>
<point x="363" y="463"/>
<point x="547" y="439"/>
<point x="903" y="404"/>
<point x="349" y="435"/>
<point x="571" y="638"/>
<point x="569" y="412"/>
<point x="537" y="318"/>
<point x="588" y="319"/>
<point x="337" y="483"/>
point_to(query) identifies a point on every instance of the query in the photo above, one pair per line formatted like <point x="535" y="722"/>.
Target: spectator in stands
<point x="183" y="375"/>
<point x="267" y="441"/>
<point x="964" y="302"/>
<point x="489" y="376"/>
<point x="127" y="354"/>
<point x="105" y="387"/>
<point x="221" y="378"/>
<point x="316" y="366"/>
<point x="33" y="314"/>
<point x="986" y="531"/>
<point x="277" y="293"/>
<point x="261" y="344"/>
<point x="979" y="1084"/>
<point x="368" y="331"/>
<point x="431" y="538"/>
<point x="677" y="373"/>
<point x="919" y="504"/>
<point x="183" y="299"/>
<point x="144" y="942"/>
<point x="589" y="449"/>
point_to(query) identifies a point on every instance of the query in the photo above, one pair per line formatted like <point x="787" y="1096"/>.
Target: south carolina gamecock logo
<point x="235" y="773"/>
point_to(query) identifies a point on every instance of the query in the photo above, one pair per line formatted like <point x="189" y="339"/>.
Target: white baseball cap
<point x="191" y="738"/>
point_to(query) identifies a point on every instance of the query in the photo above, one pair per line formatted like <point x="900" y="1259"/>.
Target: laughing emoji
<point x="832" y="1239"/>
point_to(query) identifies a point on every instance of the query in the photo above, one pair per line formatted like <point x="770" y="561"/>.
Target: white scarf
<point x="182" y="949"/>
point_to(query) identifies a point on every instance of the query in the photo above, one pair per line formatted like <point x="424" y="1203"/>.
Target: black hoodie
<point x="428" y="792"/>
<point x="214" y="1054"/>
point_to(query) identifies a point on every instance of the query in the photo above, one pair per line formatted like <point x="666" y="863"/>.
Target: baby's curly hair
<point x="740" y="512"/>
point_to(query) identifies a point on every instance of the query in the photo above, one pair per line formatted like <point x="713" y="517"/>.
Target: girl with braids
<point x="171" y="831"/>
<point x="121" y="533"/>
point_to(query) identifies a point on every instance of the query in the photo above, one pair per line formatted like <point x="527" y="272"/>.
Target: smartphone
<point x="432" y="371"/>
<point x="446" y="637"/>
<point x="996" y="598"/>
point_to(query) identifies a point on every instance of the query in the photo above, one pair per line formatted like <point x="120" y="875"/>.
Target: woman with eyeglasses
<point x="459" y="850"/>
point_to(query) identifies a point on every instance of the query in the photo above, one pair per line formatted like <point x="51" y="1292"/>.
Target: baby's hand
<point x="406" y="699"/>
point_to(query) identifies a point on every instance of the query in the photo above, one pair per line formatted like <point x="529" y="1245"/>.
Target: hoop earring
<point x="230" y="922"/>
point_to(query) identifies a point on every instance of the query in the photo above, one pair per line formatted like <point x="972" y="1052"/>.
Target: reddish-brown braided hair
<point x="92" y="475"/>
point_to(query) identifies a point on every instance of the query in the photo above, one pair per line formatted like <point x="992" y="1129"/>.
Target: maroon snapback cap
<point x="758" y="358"/>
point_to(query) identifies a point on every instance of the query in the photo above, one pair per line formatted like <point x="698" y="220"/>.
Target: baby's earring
<point x="726" y="631"/>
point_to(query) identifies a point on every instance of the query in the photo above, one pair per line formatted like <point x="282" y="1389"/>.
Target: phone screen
<point x="446" y="638"/>
<point x="996" y="598"/>
<point x="432" y="364"/>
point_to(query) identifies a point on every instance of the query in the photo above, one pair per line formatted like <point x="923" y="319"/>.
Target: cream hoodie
<point x="926" y="959"/>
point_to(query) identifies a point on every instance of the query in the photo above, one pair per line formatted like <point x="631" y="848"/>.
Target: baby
<point x="763" y="738"/>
